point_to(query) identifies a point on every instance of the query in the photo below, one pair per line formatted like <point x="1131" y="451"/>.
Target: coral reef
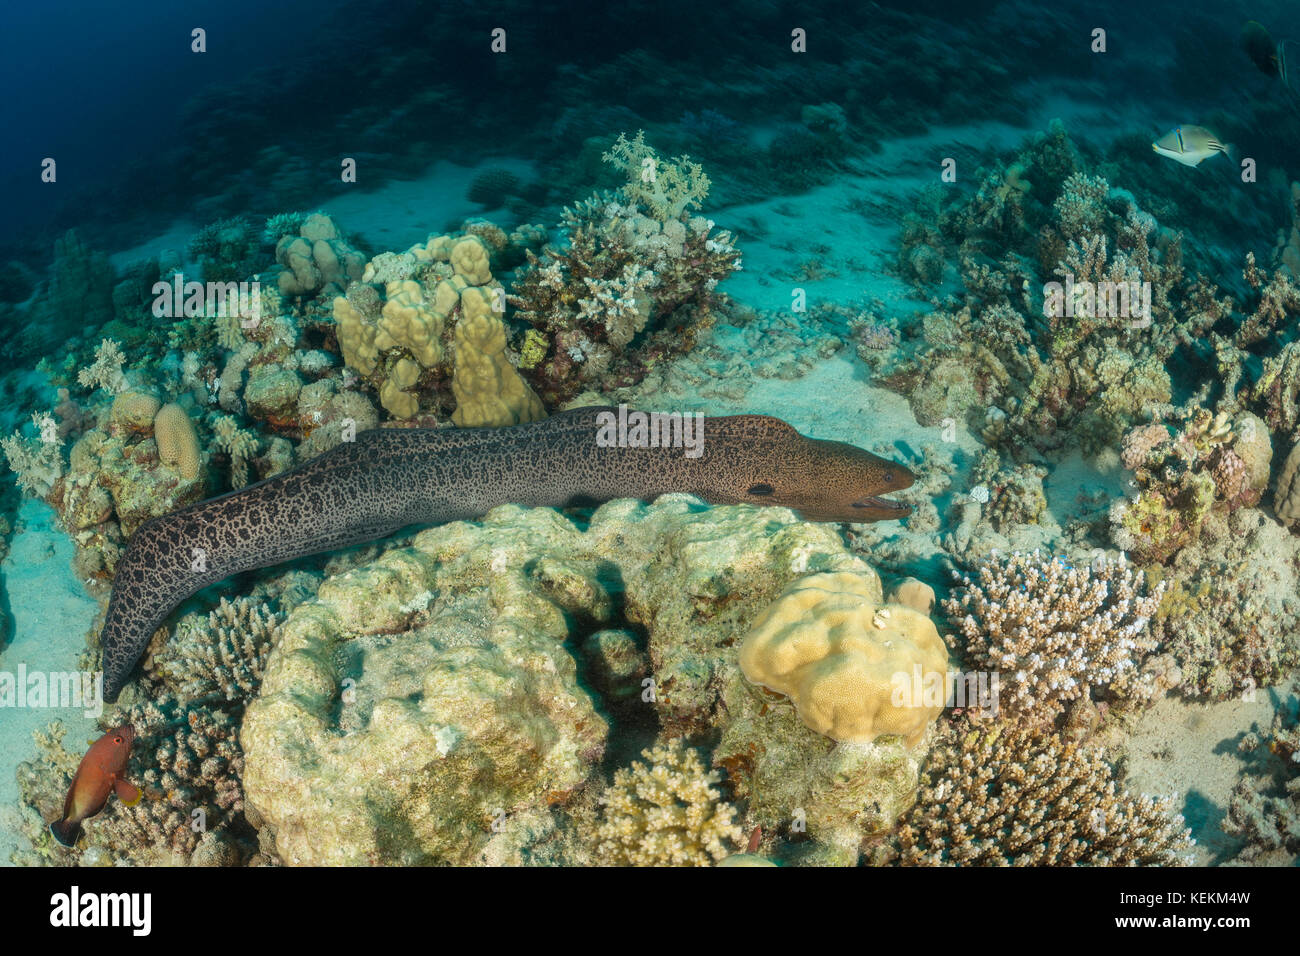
<point x="633" y="280"/>
<point x="1084" y="359"/>
<point x="665" y="812"/>
<point x="1209" y="462"/>
<point x="1230" y="614"/>
<point x="1265" y="812"/>
<point x="432" y="691"/>
<point x="1055" y="633"/>
<point x="847" y="660"/>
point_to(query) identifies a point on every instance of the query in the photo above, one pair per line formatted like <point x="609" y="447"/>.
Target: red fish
<point x="99" y="774"/>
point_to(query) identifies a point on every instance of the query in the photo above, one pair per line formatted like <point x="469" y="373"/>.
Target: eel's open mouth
<point x="883" y="504"/>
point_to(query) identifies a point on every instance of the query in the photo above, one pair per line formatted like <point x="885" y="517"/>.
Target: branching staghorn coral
<point x="240" y="444"/>
<point x="664" y="189"/>
<point x="1014" y="796"/>
<point x="187" y="760"/>
<point x="224" y="655"/>
<point x="1055" y="633"/>
<point x="665" y="813"/>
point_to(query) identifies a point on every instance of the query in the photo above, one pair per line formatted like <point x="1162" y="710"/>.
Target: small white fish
<point x="1191" y="145"/>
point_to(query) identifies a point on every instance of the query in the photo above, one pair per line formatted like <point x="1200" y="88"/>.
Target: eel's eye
<point x="117" y="740"/>
<point x="760" y="489"/>
<point x="889" y="477"/>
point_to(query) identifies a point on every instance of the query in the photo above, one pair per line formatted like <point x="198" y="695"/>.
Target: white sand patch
<point x="51" y="613"/>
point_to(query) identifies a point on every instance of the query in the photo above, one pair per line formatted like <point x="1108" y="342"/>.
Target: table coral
<point x="1008" y="796"/>
<point x="832" y="645"/>
<point x="1055" y="633"/>
<point x="665" y="812"/>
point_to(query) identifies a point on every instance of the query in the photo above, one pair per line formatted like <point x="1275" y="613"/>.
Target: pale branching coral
<point x="664" y="189"/>
<point x="666" y="812"/>
<point x="223" y="654"/>
<point x="1055" y="633"/>
<point x="37" y="463"/>
<point x="1008" y="796"/>
<point x="238" y="443"/>
<point x="106" y="372"/>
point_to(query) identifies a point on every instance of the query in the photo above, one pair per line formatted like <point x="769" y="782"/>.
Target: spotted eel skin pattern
<point x="389" y="479"/>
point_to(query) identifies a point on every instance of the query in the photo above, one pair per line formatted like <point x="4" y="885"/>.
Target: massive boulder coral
<point x="433" y="692"/>
<point x="832" y="644"/>
<point x="403" y="343"/>
<point x="317" y="259"/>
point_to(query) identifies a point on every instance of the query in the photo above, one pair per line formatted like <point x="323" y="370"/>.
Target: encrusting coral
<point x="1207" y="462"/>
<point x="667" y="811"/>
<point x="847" y="659"/>
<point x="1055" y="633"/>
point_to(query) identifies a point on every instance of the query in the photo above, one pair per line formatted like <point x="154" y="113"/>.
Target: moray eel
<point x="389" y="479"/>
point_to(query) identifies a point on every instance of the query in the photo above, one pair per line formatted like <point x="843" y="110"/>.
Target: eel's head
<point x="823" y="480"/>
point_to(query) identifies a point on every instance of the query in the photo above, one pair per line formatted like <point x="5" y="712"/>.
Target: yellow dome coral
<point x="488" y="390"/>
<point x="178" y="443"/>
<point x="833" y="647"/>
<point x="408" y="321"/>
